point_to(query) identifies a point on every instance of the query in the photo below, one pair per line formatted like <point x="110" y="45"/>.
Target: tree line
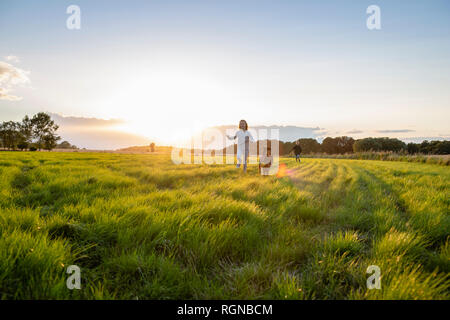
<point x="39" y="132"/>
<point x="35" y="133"/>
<point x="342" y="145"/>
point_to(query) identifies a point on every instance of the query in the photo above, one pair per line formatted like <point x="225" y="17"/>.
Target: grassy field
<point x="140" y="227"/>
<point x="443" y="160"/>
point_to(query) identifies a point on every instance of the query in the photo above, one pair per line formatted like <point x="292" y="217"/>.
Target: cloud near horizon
<point x="354" y="131"/>
<point x="72" y="121"/>
<point x="395" y="131"/>
<point x="94" y="133"/>
<point x="10" y="77"/>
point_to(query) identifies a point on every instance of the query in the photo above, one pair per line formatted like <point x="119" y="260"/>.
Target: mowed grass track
<point x="141" y="227"/>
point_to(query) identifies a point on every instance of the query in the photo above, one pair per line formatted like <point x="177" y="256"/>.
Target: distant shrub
<point x="22" y="145"/>
<point x="66" y="145"/>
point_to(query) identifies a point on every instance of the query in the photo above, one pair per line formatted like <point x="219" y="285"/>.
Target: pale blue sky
<point x="202" y="63"/>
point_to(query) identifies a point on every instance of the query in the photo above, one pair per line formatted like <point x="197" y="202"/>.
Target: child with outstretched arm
<point x="243" y="137"/>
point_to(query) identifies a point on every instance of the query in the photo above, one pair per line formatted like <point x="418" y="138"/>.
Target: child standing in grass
<point x="243" y="145"/>
<point x="265" y="161"/>
<point x="297" y="150"/>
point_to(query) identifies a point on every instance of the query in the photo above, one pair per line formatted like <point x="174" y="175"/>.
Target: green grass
<point x="141" y="227"/>
<point x="443" y="160"/>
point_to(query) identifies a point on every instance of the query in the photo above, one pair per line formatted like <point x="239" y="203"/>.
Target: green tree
<point x="50" y="142"/>
<point x="366" y="144"/>
<point x="309" y="145"/>
<point x="10" y="134"/>
<point x="434" y="147"/>
<point x="412" y="148"/>
<point x="66" y="145"/>
<point x="345" y="144"/>
<point x="379" y="144"/>
<point x="392" y="144"/>
<point x="26" y="129"/>
<point x="339" y="145"/>
<point x="44" y="131"/>
<point x="443" y="147"/>
<point x="329" y="146"/>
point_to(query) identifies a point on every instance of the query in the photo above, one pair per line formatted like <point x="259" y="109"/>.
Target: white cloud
<point x="395" y="131"/>
<point x="84" y="122"/>
<point x="4" y="95"/>
<point x="12" y="59"/>
<point x="10" y="77"/>
<point x="354" y="131"/>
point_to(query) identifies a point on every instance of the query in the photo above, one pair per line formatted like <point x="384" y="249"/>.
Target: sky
<point x="140" y="71"/>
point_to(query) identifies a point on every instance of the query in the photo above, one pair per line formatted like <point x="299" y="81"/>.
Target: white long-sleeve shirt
<point x="241" y="135"/>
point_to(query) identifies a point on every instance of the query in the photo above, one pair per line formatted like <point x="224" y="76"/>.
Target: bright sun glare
<point x="173" y="106"/>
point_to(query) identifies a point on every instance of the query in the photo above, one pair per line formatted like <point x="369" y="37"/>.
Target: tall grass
<point x="140" y="227"/>
<point x="443" y="160"/>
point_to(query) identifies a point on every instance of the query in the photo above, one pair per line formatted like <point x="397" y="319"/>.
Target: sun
<point x="170" y="106"/>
